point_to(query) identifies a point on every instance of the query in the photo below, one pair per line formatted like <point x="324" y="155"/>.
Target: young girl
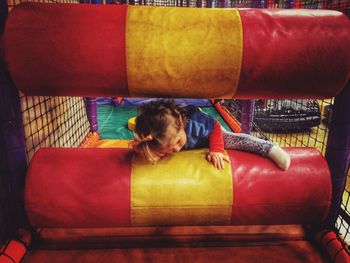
<point x="164" y="127"/>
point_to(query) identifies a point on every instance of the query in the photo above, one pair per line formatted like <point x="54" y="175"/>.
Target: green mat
<point x="113" y="121"/>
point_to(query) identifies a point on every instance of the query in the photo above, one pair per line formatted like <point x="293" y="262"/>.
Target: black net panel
<point x="343" y="221"/>
<point x="341" y="5"/>
<point x="296" y="123"/>
<point x="53" y="122"/>
<point x="290" y="123"/>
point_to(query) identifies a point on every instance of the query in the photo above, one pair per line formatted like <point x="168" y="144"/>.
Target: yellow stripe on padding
<point x="113" y="144"/>
<point x="183" y="52"/>
<point x="182" y="189"/>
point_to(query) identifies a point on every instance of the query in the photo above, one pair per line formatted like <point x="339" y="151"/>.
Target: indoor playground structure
<point x="68" y="194"/>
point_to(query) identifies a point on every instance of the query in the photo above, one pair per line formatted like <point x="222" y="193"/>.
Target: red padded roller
<point x="266" y="195"/>
<point x="80" y="50"/>
<point x="79" y="188"/>
<point x="91" y="188"/>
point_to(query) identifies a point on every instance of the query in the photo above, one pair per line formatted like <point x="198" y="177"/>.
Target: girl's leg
<point x="249" y="143"/>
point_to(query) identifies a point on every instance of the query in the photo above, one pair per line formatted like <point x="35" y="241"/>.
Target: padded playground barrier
<point x="176" y="52"/>
<point x="89" y="188"/>
<point x="241" y="53"/>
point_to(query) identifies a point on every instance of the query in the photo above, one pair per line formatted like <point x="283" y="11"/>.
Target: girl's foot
<point x="280" y="157"/>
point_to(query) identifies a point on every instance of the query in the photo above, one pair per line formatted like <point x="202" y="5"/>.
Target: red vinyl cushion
<point x="298" y="52"/>
<point x="333" y="244"/>
<point x="79" y="188"/>
<point x="65" y="49"/>
<point x="266" y="195"/>
<point x="79" y="50"/>
<point x="91" y="188"/>
<point x="12" y="252"/>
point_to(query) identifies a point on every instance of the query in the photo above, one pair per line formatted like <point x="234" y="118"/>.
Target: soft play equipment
<point x="131" y="123"/>
<point x="177" y="52"/>
<point x="12" y="251"/>
<point x="147" y="51"/>
<point x="110" y="188"/>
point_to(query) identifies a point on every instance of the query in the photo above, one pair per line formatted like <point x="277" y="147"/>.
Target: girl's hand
<point x="217" y="159"/>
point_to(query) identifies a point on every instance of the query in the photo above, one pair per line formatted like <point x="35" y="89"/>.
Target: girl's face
<point x="175" y="141"/>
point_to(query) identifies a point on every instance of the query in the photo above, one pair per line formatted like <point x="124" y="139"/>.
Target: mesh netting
<point x="53" y="122"/>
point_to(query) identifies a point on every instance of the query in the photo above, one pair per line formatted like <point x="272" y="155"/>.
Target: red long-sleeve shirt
<point x="216" y="140"/>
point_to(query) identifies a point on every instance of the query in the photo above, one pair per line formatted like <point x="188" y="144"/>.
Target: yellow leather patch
<point x="182" y="189"/>
<point x="183" y="52"/>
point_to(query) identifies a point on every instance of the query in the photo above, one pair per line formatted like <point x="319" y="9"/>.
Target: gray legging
<point x="246" y="142"/>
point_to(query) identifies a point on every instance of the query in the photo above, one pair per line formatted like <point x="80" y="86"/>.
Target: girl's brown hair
<point x="151" y="126"/>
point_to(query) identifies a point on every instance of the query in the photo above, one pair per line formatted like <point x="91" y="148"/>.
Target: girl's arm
<point x="216" y="140"/>
<point x="216" y="148"/>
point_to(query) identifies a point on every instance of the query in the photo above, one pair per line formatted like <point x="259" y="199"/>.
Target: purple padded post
<point x="338" y="150"/>
<point x="91" y="111"/>
<point x="13" y="163"/>
<point x="289" y="4"/>
<point x="247" y="115"/>
<point x="12" y="150"/>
